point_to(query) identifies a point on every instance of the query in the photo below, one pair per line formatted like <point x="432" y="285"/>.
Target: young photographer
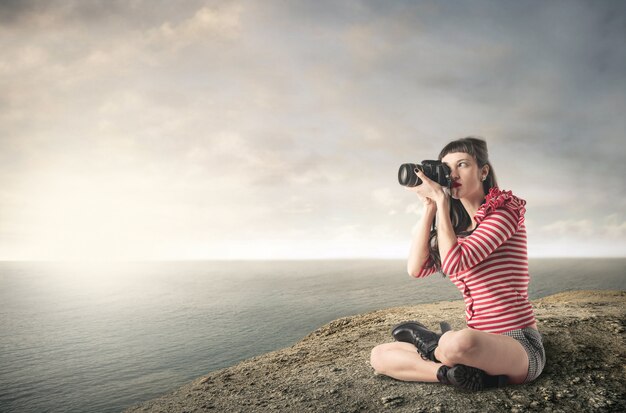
<point x="479" y="242"/>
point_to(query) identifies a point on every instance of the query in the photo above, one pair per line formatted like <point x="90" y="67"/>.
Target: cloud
<point x="386" y="197"/>
<point x="609" y="227"/>
<point x="210" y="125"/>
<point x="564" y="227"/>
<point x="206" y="24"/>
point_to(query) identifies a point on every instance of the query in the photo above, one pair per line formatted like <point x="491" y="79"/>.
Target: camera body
<point x="435" y="170"/>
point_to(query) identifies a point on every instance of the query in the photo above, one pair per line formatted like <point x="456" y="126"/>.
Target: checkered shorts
<point x="532" y="342"/>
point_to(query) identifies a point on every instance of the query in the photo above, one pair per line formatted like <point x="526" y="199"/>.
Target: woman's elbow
<point x="414" y="269"/>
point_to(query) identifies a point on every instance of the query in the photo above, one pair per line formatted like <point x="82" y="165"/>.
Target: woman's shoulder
<point x="499" y="199"/>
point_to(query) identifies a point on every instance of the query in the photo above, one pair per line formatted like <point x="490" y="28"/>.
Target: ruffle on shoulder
<point x="497" y="199"/>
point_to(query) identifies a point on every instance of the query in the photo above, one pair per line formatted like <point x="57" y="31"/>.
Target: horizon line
<point x="98" y="260"/>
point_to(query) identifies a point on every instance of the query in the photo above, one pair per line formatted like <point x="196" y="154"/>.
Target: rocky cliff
<point x="329" y="371"/>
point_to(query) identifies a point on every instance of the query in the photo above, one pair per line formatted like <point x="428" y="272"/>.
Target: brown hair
<point x="458" y="215"/>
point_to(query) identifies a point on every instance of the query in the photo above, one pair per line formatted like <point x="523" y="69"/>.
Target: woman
<point x="479" y="241"/>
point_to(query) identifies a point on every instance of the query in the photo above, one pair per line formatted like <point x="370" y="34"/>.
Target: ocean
<point x="96" y="337"/>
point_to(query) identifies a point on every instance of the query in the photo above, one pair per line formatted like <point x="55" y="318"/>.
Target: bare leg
<point x="493" y="353"/>
<point x="402" y="361"/>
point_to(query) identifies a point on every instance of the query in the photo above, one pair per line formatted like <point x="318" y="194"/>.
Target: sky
<point x="158" y="130"/>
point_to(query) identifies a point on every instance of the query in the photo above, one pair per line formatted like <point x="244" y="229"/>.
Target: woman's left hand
<point x="431" y="189"/>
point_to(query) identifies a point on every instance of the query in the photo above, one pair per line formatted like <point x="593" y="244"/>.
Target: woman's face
<point x="466" y="175"/>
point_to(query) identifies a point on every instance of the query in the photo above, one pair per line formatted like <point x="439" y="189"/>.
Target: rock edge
<point x="329" y="371"/>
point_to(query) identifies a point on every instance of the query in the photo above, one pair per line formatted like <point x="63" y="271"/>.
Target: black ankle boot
<point x="423" y="339"/>
<point x="472" y="378"/>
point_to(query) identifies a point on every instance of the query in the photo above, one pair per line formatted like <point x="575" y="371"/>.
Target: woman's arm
<point x="446" y="238"/>
<point x="493" y="231"/>
<point x="419" y="253"/>
<point x="432" y="193"/>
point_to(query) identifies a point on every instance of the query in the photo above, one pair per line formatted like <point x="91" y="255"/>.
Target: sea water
<point x="101" y="337"/>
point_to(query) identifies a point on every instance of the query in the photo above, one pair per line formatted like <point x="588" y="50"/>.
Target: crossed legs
<point x="494" y="353"/>
<point x="402" y="361"/>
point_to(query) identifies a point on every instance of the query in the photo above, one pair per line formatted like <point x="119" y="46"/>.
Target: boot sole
<point x="468" y="378"/>
<point x="474" y="379"/>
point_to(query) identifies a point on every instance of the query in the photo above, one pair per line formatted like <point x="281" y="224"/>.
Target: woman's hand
<point x="430" y="192"/>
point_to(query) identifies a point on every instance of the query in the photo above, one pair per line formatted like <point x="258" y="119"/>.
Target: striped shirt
<point x="490" y="266"/>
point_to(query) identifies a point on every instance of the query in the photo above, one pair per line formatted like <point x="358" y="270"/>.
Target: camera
<point x="435" y="170"/>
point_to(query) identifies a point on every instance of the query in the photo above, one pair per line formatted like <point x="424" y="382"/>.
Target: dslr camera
<point x="435" y="170"/>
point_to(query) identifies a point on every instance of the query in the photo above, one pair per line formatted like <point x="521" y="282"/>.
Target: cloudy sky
<point x="148" y="129"/>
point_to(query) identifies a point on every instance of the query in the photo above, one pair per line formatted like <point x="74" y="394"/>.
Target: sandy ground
<point x="329" y="371"/>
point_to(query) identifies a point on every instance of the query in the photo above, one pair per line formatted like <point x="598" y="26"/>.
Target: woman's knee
<point x="377" y="357"/>
<point x="456" y="346"/>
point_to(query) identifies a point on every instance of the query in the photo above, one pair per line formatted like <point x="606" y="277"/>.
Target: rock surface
<point x="329" y="371"/>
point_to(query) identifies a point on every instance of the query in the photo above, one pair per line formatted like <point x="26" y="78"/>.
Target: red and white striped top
<point x="490" y="266"/>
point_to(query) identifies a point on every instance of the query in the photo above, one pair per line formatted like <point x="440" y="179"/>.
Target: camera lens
<point x="406" y="174"/>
